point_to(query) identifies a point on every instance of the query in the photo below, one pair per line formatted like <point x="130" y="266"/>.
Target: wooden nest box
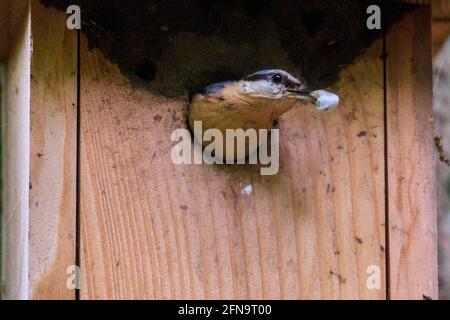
<point x="87" y="178"/>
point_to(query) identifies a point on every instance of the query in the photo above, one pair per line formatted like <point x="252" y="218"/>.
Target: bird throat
<point x="233" y="110"/>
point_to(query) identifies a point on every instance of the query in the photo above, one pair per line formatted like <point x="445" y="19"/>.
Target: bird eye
<point x="277" y="79"/>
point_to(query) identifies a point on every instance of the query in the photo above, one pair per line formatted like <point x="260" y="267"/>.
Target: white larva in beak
<point x="325" y="101"/>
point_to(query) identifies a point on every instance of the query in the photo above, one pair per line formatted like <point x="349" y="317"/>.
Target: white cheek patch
<point x="325" y="101"/>
<point x="263" y="89"/>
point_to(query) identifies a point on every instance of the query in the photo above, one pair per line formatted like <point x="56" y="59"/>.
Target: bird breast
<point x="233" y="109"/>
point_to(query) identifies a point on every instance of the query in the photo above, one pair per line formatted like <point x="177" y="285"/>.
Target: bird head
<point x="252" y="103"/>
<point x="255" y="101"/>
<point x="275" y="85"/>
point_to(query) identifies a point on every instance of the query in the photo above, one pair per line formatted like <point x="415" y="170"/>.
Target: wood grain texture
<point x="441" y="32"/>
<point x="441" y="24"/>
<point x="154" y="230"/>
<point x="12" y="15"/>
<point x="418" y="2"/>
<point x="53" y="153"/>
<point x="441" y="9"/>
<point x="411" y="159"/>
<point x="15" y="139"/>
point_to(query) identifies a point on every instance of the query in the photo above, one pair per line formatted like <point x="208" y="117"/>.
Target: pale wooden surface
<point x="411" y="159"/>
<point x="53" y="153"/>
<point x="151" y="229"/>
<point x="15" y="129"/>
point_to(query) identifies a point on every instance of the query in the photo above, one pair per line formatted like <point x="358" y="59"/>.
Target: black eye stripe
<point x="268" y="77"/>
<point x="257" y="77"/>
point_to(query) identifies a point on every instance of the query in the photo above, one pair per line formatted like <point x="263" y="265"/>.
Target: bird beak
<point x="323" y="100"/>
<point x="302" y="92"/>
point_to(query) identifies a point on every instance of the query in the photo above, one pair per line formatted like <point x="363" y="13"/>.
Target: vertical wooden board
<point x="15" y="130"/>
<point x="154" y="230"/>
<point x="52" y="154"/>
<point x="440" y="24"/>
<point x="411" y="159"/>
<point x="336" y="168"/>
<point x="418" y="2"/>
<point x="440" y="9"/>
<point x="12" y="13"/>
<point x="441" y="32"/>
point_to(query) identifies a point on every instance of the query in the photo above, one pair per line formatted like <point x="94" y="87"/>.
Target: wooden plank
<point x="15" y="130"/>
<point x="150" y="229"/>
<point x="411" y="159"/>
<point x="441" y="32"/>
<point x="12" y="15"/>
<point x="418" y="2"/>
<point x="441" y="9"/>
<point x="441" y="24"/>
<point x="337" y="160"/>
<point x="52" y="154"/>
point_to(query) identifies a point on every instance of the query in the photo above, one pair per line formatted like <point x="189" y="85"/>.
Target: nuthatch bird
<point x="254" y="102"/>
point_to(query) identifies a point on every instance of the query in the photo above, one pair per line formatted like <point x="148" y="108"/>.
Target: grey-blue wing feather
<point x="214" y="89"/>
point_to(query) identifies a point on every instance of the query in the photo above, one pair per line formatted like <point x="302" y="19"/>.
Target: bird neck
<point x="233" y="108"/>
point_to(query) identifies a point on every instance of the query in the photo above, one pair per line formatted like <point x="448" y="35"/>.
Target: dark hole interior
<point x="146" y="70"/>
<point x="312" y="22"/>
<point x="174" y="47"/>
